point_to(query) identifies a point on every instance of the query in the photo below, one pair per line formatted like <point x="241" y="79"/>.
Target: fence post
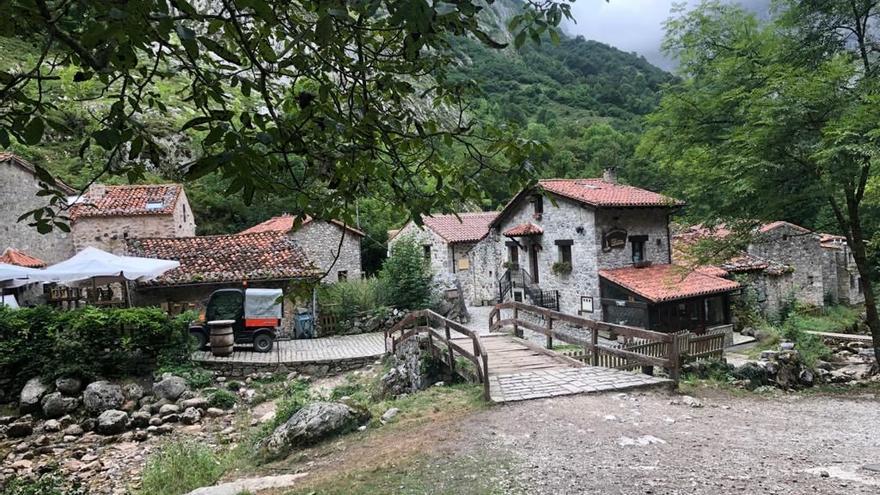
<point x="549" y="333"/>
<point x="516" y="331"/>
<point x="449" y="345"/>
<point x="594" y="340"/>
<point x="675" y="357"/>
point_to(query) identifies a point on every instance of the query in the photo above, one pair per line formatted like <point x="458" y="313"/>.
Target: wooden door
<point x="533" y="262"/>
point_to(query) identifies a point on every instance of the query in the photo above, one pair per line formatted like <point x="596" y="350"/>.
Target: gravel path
<point x="652" y="443"/>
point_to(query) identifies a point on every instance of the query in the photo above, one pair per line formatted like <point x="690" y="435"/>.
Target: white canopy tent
<point x="12" y="276"/>
<point x="94" y="263"/>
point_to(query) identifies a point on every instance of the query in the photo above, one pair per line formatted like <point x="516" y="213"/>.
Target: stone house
<point x="785" y="262"/>
<point x="321" y="240"/>
<point x="105" y="217"/>
<point x="602" y="250"/>
<point x="19" y="186"/>
<point x="208" y="263"/>
<point x="453" y="248"/>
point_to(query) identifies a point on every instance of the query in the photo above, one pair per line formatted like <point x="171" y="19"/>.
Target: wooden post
<point x="549" y="333"/>
<point x="516" y="330"/>
<point x="449" y="345"/>
<point x="675" y="357"/>
<point x="594" y="341"/>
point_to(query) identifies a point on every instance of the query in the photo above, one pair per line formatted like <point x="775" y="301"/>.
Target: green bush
<point x="346" y="299"/>
<point x="89" y="342"/>
<point x="223" y="399"/>
<point x="180" y="467"/>
<point x="407" y="276"/>
<point x="809" y="346"/>
<point x="47" y="484"/>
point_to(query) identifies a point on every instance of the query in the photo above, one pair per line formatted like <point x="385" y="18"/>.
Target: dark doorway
<point x="513" y="255"/>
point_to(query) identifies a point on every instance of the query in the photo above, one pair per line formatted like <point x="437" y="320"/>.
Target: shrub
<point x="561" y="268"/>
<point x="809" y="346"/>
<point x="346" y="299"/>
<point x="223" y="399"/>
<point x="180" y="467"/>
<point x="407" y="276"/>
<point x="47" y="484"/>
<point x="88" y="342"/>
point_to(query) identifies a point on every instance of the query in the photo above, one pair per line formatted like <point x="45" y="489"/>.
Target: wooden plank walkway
<point x="321" y="350"/>
<point x="521" y="370"/>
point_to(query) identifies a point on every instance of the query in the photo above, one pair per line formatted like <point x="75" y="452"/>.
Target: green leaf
<point x="219" y="50"/>
<point x="81" y="76"/>
<point x="196" y="121"/>
<point x="33" y="131"/>
<point x="324" y="30"/>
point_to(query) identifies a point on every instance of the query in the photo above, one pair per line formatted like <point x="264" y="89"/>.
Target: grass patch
<point x="293" y="399"/>
<point x="448" y="475"/>
<point x="221" y="398"/>
<point x="832" y="319"/>
<point x="181" y="466"/>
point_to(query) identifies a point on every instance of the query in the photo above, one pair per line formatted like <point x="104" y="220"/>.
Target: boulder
<point x="132" y="391"/>
<point x="101" y="396"/>
<point x="140" y="419"/>
<point x="312" y="423"/>
<point x="73" y="431"/>
<point x="389" y="414"/>
<point x="111" y="422"/>
<point x="56" y="405"/>
<point x="197" y="402"/>
<point x="51" y="426"/>
<point x="191" y="416"/>
<point x="170" y="387"/>
<point x="395" y="382"/>
<point x="68" y="385"/>
<point x="169" y="409"/>
<point x="31" y="395"/>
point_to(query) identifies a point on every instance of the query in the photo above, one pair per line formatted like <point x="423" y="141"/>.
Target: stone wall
<point x="799" y="250"/>
<point x="441" y="253"/>
<point x="18" y="194"/>
<point x="320" y="241"/>
<point x="315" y="369"/>
<point x="845" y="275"/>
<point x="486" y="266"/>
<point x="649" y="222"/>
<point x="110" y="232"/>
<point x="772" y="291"/>
<point x="567" y="220"/>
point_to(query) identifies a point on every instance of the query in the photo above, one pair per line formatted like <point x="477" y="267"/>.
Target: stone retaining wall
<point x="314" y="368"/>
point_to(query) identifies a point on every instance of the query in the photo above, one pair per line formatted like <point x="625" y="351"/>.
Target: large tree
<point x="774" y="118"/>
<point x="324" y="101"/>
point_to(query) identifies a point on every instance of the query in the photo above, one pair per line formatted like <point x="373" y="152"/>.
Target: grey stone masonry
<point x="18" y="195"/>
<point x="800" y="249"/>
<point x="333" y="249"/>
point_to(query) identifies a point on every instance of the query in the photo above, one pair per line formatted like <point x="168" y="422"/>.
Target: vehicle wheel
<point x="200" y="340"/>
<point x="263" y="342"/>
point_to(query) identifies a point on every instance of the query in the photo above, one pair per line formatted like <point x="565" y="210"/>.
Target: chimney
<point x="97" y="191"/>
<point x="610" y="175"/>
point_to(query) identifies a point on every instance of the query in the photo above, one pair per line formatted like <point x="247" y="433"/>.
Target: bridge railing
<point x="647" y="349"/>
<point x="440" y="332"/>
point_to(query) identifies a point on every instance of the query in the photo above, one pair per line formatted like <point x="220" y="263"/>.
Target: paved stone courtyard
<point x="566" y="381"/>
<point x="323" y="350"/>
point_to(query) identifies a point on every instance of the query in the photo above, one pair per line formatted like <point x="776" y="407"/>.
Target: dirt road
<point x="653" y="444"/>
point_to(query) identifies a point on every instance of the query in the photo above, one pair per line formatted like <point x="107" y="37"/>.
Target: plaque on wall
<point x="586" y="304"/>
<point x="614" y="239"/>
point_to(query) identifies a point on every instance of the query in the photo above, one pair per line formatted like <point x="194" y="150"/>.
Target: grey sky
<point x="633" y="25"/>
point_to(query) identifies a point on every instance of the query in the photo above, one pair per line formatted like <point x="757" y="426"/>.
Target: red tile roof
<point x="767" y="227"/>
<point x="123" y="201"/>
<point x="597" y="192"/>
<point x="461" y="227"/>
<point x="14" y="159"/>
<point x="226" y="258"/>
<point x="284" y="223"/>
<point x="659" y="283"/>
<point x="15" y="257"/>
<point x="523" y="229"/>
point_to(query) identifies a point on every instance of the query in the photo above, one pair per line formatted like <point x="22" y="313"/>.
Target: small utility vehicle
<point x="256" y="312"/>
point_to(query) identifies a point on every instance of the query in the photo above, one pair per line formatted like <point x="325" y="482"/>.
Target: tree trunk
<point x="857" y="246"/>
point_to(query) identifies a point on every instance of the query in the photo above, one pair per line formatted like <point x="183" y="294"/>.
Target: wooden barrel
<point x="222" y="337"/>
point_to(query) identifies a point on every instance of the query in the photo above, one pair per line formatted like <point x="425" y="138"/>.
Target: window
<point x="225" y="306"/>
<point x="810" y="280"/>
<point x="342" y="275"/>
<point x="538" y="205"/>
<point x="564" y="247"/>
<point x="513" y="254"/>
<point x="852" y="281"/>
<point x="715" y="310"/>
<point x="427" y="252"/>
<point x="638" y="248"/>
<point x="861" y="288"/>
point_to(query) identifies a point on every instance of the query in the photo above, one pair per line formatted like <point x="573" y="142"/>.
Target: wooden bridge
<point x="512" y="368"/>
